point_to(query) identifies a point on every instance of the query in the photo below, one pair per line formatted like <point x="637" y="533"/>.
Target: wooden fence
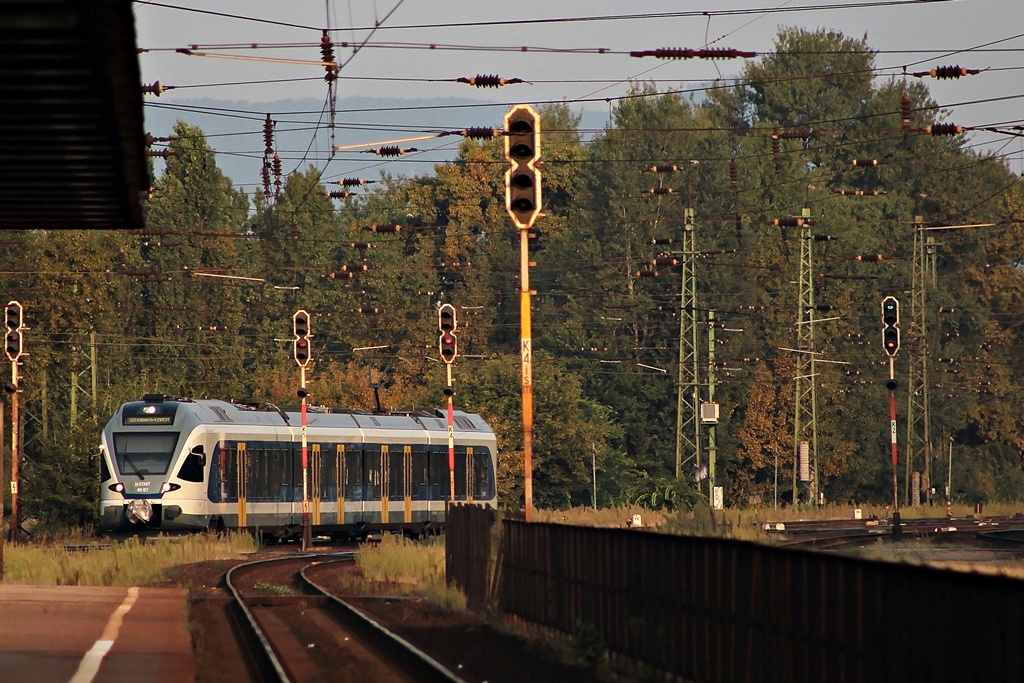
<point x="467" y="550"/>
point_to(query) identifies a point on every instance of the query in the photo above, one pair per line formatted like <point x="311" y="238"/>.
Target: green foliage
<point x="201" y="303"/>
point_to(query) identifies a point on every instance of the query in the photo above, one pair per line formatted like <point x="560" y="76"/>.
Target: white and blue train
<point x="181" y="464"/>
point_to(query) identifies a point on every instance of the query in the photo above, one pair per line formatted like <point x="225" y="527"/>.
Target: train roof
<point x="159" y="409"/>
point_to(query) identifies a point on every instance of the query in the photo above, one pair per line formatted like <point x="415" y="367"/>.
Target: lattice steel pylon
<point x="688" y="381"/>
<point x="805" y="417"/>
<point x="919" y="443"/>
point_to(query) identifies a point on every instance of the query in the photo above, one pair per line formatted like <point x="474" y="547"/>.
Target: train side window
<point x="396" y="473"/>
<point x="460" y="473"/>
<point x="353" y="472"/>
<point x="104" y="470"/>
<point x="328" y="472"/>
<point x="371" y="472"/>
<point x="421" y="489"/>
<point x="483" y="473"/>
<point x="214" y="485"/>
<point x="439" y="488"/>
<point x="192" y="469"/>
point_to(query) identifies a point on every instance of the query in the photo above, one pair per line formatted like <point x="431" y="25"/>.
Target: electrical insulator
<point x="369" y="310"/>
<point x="361" y="246"/>
<point x="690" y="53"/>
<point x="734" y="176"/>
<point x="664" y="261"/>
<point x="670" y="168"/>
<point x="266" y="178"/>
<point x="277" y="169"/>
<point x="385" y="228"/>
<point x="660" y="190"/>
<point x="798" y="134"/>
<point x="327" y="55"/>
<point x="943" y="129"/>
<point x="353" y="182"/>
<point x="788" y="222"/>
<point x="390" y="151"/>
<point x="339" y="194"/>
<point x="488" y="81"/>
<point x="864" y="162"/>
<point x="155" y="88"/>
<point x="480" y="133"/>
<point x="662" y="240"/>
<point x="355" y="268"/>
<point x="776" y="149"/>
<point x="268" y="136"/>
<point x="859" y="193"/>
<point x="824" y="238"/>
<point x="905" y="110"/>
<point x="647" y="273"/>
<point x="341" y="276"/>
<point x="946" y="310"/>
<point x="738" y="221"/>
<point x="869" y="258"/>
<point x="946" y="72"/>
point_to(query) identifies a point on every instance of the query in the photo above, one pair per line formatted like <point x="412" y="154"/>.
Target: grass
<point x="400" y="566"/>
<point x="77" y="561"/>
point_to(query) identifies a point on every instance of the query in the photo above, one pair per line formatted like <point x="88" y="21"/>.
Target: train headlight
<point x="167" y="487"/>
<point x="117" y="488"/>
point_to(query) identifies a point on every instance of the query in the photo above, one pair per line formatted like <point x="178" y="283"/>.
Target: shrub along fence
<point x="710" y="609"/>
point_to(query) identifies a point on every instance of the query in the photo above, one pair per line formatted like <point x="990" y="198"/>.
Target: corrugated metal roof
<point x="72" y="150"/>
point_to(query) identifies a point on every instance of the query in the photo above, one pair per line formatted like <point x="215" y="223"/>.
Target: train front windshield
<point x="144" y="454"/>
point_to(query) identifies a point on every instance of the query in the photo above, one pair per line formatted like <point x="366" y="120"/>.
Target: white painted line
<point x="90" y="664"/>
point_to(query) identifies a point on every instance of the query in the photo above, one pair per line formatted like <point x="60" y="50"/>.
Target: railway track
<point x="1006" y="532"/>
<point x="293" y="629"/>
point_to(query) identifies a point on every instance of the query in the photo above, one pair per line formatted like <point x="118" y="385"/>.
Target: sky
<point x="393" y="87"/>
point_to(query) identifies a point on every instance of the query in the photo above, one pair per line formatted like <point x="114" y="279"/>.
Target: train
<point x="178" y="464"/>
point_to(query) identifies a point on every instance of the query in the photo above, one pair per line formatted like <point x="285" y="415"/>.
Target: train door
<point x="241" y="479"/>
<point x="339" y="482"/>
<point x="470" y="474"/>
<point x="355" y="482"/>
<point x="385" y="484"/>
<point x="314" y="482"/>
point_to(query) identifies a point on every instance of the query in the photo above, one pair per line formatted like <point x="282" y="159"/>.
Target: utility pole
<point x="712" y="420"/>
<point x="302" y="355"/>
<point x="447" y="323"/>
<point x="805" y="418"/>
<point x="688" y="379"/>
<point x="919" y="442"/>
<point x="523" y="200"/>
<point x="14" y="320"/>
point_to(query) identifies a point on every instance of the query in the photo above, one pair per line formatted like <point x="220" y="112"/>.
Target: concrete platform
<point x="52" y="634"/>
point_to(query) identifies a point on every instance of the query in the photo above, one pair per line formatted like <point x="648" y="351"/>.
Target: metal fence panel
<point x="719" y="610"/>
<point x="467" y="550"/>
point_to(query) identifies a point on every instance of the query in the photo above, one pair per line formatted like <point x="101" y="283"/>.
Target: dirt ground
<point x="476" y="649"/>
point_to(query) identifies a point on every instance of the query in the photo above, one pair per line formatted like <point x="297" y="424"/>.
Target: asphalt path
<point x="84" y="634"/>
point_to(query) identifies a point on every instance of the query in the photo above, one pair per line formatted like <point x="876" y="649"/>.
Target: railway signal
<point x="449" y="347"/>
<point x="446" y="321"/>
<point x="890" y="326"/>
<point x="522" y="180"/>
<point x="14" y="319"/>
<point x="300" y="326"/>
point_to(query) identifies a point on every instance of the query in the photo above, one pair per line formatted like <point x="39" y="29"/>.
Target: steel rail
<point x="416" y="661"/>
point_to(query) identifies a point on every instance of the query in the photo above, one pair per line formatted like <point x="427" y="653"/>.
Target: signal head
<point x="449" y="347"/>
<point x="14" y="315"/>
<point x="890" y="311"/>
<point x="300" y="324"/>
<point x="522" y="180"/>
<point x="891" y="341"/>
<point x="446" y="320"/>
